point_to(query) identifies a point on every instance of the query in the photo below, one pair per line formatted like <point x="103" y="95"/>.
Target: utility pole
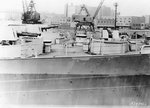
<point x="116" y="5"/>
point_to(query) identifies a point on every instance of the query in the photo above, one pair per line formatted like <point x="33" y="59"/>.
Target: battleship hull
<point x="89" y="80"/>
<point x="93" y="65"/>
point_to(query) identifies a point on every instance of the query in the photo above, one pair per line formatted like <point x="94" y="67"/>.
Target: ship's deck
<point x="77" y="51"/>
<point x="59" y="50"/>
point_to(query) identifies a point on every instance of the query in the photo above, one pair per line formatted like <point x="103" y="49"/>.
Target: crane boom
<point x="23" y="6"/>
<point x="98" y="8"/>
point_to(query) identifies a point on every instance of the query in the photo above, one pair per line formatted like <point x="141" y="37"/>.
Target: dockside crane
<point x="30" y="15"/>
<point x="86" y="20"/>
<point x="83" y="8"/>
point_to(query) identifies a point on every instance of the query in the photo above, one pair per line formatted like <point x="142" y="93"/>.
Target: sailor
<point x="129" y="44"/>
<point x="126" y="39"/>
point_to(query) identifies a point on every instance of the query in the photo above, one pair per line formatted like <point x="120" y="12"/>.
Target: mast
<point x="116" y="5"/>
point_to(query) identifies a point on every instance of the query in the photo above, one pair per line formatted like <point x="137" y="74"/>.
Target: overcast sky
<point x="126" y="7"/>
